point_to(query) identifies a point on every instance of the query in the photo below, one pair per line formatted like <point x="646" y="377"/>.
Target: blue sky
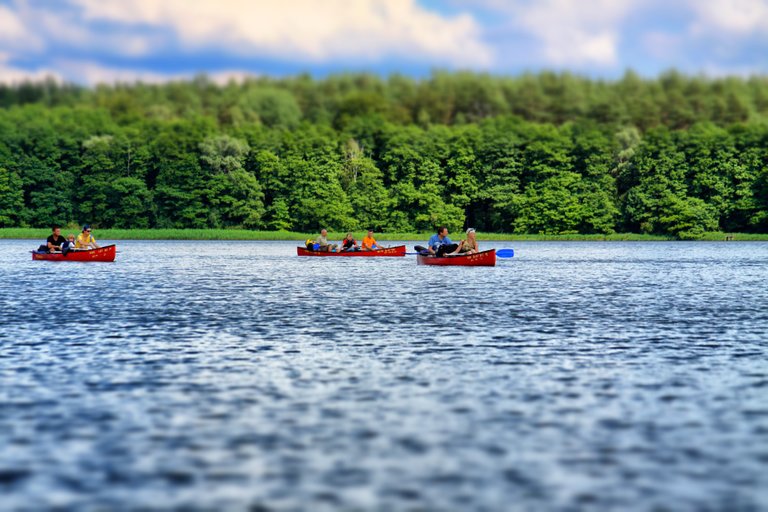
<point x="92" y="41"/>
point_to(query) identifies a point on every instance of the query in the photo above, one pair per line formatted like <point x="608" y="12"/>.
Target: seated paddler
<point x="54" y="242"/>
<point x="349" y="244"/>
<point x="323" y="243"/>
<point x="85" y="240"/>
<point x="440" y="244"/>
<point x="370" y="243"/>
<point x="468" y="245"/>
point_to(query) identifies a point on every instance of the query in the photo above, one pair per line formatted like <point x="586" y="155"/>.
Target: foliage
<point x="108" y="235"/>
<point x="11" y="198"/>
<point x="540" y="153"/>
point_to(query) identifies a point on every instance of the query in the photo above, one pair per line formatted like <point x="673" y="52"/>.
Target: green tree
<point x="551" y="206"/>
<point x="233" y="195"/>
<point x="273" y="176"/>
<point x="11" y="198"/>
<point x="317" y="199"/>
<point x="364" y="185"/>
<point x="548" y="152"/>
<point x="130" y="203"/>
<point x="106" y="193"/>
<point x="273" y="107"/>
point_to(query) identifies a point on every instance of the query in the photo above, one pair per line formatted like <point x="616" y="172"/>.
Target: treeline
<point x="545" y="153"/>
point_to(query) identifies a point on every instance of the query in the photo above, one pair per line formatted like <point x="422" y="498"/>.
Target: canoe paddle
<point x="501" y="253"/>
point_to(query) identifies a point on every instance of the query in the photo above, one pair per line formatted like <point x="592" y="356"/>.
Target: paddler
<point x="323" y="243"/>
<point x="85" y="240"/>
<point x="440" y="244"/>
<point x="369" y="243"/>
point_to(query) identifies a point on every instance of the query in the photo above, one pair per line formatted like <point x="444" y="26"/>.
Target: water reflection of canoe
<point x="389" y="251"/>
<point x="106" y="253"/>
<point x="479" y="259"/>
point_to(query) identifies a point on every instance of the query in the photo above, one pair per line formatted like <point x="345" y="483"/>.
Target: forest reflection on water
<point x="233" y="374"/>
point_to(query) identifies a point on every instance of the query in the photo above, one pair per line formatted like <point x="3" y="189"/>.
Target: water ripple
<point x="235" y="375"/>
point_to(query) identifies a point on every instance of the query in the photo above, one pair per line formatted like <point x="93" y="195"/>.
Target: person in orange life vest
<point x="369" y="243"/>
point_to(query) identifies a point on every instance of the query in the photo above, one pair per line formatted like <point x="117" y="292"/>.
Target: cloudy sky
<point x="91" y="41"/>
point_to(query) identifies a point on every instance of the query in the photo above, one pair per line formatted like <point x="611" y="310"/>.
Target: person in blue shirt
<point x="440" y="244"/>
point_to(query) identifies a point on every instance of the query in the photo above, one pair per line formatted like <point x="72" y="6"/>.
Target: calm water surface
<point x="602" y="376"/>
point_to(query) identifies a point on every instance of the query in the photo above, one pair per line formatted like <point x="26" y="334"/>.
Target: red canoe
<point x="106" y="253"/>
<point x="478" y="259"/>
<point x="390" y="251"/>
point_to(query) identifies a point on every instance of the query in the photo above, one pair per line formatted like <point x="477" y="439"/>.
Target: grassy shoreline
<point x="244" y="234"/>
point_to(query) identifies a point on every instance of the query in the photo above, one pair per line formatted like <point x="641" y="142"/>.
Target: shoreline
<point x="244" y="234"/>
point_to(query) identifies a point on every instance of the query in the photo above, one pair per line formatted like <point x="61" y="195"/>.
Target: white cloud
<point x="10" y="25"/>
<point x="14" y="33"/>
<point x="592" y="34"/>
<point x="94" y="73"/>
<point x="91" y="41"/>
<point x="736" y="17"/>
<point x="46" y="29"/>
<point x="57" y="27"/>
<point x="567" y="32"/>
<point x="719" y="71"/>
<point x="91" y="73"/>
<point x="307" y="29"/>
<point x="14" y="75"/>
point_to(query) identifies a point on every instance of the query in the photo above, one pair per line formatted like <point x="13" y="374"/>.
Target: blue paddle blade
<point x="505" y="253"/>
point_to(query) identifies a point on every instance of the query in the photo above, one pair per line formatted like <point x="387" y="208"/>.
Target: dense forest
<point x="538" y="153"/>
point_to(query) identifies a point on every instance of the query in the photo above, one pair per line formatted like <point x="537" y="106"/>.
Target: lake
<point x="229" y="375"/>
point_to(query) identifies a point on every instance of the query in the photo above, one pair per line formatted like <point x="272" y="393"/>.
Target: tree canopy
<point x="538" y="153"/>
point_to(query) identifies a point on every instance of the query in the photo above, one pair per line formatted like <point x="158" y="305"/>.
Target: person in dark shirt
<point x="55" y="241"/>
<point x="349" y="243"/>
